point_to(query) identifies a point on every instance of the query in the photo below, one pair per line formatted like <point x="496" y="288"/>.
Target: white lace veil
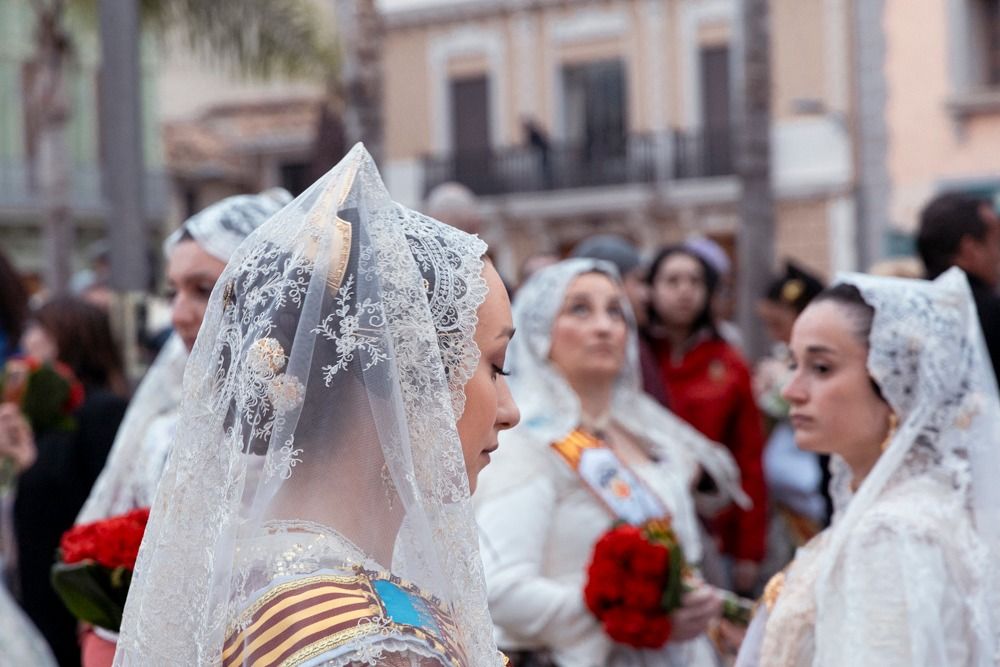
<point x="550" y="409"/>
<point x="218" y="229"/>
<point x="320" y="400"/>
<point x="928" y="356"/>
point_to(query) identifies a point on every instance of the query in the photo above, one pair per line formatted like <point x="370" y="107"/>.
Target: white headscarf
<point x="318" y="429"/>
<point x="121" y="486"/>
<point x="550" y="409"/>
<point x="221" y="227"/>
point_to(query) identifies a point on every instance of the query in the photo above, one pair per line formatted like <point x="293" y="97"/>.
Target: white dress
<point x="20" y="642"/>
<point x="537" y="539"/>
<point x="907" y="591"/>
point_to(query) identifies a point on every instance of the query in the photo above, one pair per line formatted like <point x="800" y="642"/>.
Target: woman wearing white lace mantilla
<point x="196" y="254"/>
<point x="892" y="379"/>
<point x="341" y="398"/>
<point x="575" y="374"/>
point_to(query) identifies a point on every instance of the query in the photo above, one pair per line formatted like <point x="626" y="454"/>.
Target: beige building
<point x="942" y="107"/>
<point x="571" y="116"/>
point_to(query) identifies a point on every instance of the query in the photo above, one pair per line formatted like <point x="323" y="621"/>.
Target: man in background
<point x="964" y="231"/>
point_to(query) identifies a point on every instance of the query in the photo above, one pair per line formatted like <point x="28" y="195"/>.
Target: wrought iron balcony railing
<point x="646" y="158"/>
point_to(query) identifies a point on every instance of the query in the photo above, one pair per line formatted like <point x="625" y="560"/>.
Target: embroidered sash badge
<point x="616" y="485"/>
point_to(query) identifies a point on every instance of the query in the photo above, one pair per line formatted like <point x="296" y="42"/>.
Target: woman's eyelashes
<point x="498" y="370"/>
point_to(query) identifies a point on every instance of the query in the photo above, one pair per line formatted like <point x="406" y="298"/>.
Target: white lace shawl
<point x="905" y="574"/>
<point x="325" y="386"/>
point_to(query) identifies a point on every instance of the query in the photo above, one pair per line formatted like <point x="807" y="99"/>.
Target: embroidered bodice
<point x="328" y="605"/>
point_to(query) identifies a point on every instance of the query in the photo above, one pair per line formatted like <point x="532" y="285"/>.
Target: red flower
<point x="651" y="559"/>
<point x="631" y="581"/>
<point x="645" y="595"/>
<point x="112" y="542"/>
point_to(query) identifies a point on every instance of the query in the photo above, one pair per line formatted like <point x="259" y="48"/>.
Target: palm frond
<point x="258" y="38"/>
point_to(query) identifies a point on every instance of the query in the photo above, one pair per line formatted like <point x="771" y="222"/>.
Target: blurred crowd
<point x="688" y="354"/>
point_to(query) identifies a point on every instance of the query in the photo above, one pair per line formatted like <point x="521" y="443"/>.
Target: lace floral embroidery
<point x="357" y="332"/>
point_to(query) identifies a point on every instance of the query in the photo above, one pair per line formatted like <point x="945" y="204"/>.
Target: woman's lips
<point x="800" y="421"/>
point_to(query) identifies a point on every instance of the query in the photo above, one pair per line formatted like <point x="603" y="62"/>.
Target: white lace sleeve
<point x="530" y="607"/>
<point x="899" y="602"/>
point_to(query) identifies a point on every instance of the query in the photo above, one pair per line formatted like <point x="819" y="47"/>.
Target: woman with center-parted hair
<point x="343" y="394"/>
<point x="892" y="379"/>
<point x="575" y="374"/>
<point x="709" y="386"/>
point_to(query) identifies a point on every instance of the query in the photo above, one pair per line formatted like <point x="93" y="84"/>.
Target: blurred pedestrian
<point x="538" y="140"/>
<point x="534" y="263"/>
<point x="575" y="377"/>
<point x="196" y="254"/>
<point x="723" y="302"/>
<point x="13" y="308"/>
<point x="709" y="386"/>
<point x="51" y="491"/>
<point x="796" y="479"/>
<point x="963" y="230"/>
<point x="626" y="257"/>
<point x="454" y="204"/>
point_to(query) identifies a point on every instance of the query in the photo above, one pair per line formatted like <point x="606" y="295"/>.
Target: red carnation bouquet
<point x="47" y="393"/>
<point x="637" y="577"/>
<point x="95" y="567"/>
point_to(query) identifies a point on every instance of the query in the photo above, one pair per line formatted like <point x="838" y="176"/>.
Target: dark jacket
<point x="988" y="307"/>
<point x="49" y="496"/>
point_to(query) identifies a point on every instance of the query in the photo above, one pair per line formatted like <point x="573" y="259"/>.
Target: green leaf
<point x="44" y="397"/>
<point x="92" y="593"/>
<point x="675" y="580"/>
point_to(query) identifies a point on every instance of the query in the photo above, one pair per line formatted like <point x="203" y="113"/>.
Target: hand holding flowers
<point x="644" y="593"/>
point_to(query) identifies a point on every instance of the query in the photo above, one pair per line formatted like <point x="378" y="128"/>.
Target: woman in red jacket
<point x="709" y="386"/>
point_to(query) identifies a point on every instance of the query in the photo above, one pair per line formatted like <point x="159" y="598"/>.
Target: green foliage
<point x="260" y="38"/>
<point x="93" y="593"/>
<point x="255" y="38"/>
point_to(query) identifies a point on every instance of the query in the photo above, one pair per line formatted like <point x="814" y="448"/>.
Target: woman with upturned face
<point x="574" y="373"/>
<point x="891" y="378"/>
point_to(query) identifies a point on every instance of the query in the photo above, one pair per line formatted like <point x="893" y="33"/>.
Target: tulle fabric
<point x="317" y="429"/>
<point x="135" y="464"/>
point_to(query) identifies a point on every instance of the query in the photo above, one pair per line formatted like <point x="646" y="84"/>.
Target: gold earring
<point x="893" y="425"/>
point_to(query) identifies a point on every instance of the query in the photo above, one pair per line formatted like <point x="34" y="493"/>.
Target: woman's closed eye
<point x="498" y="370"/>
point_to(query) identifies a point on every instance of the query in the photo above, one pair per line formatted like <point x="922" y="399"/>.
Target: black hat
<point x="795" y="289"/>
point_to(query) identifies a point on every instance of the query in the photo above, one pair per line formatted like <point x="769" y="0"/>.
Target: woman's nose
<point x="793" y="391"/>
<point x="508" y="414"/>
<point x="181" y="310"/>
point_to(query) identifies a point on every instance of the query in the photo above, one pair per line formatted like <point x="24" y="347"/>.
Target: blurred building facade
<point x="942" y="108"/>
<point x="21" y="205"/>
<point x="224" y="134"/>
<point x="574" y="116"/>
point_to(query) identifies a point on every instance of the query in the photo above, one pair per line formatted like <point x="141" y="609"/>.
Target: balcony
<point x="639" y="159"/>
<point x="18" y="197"/>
